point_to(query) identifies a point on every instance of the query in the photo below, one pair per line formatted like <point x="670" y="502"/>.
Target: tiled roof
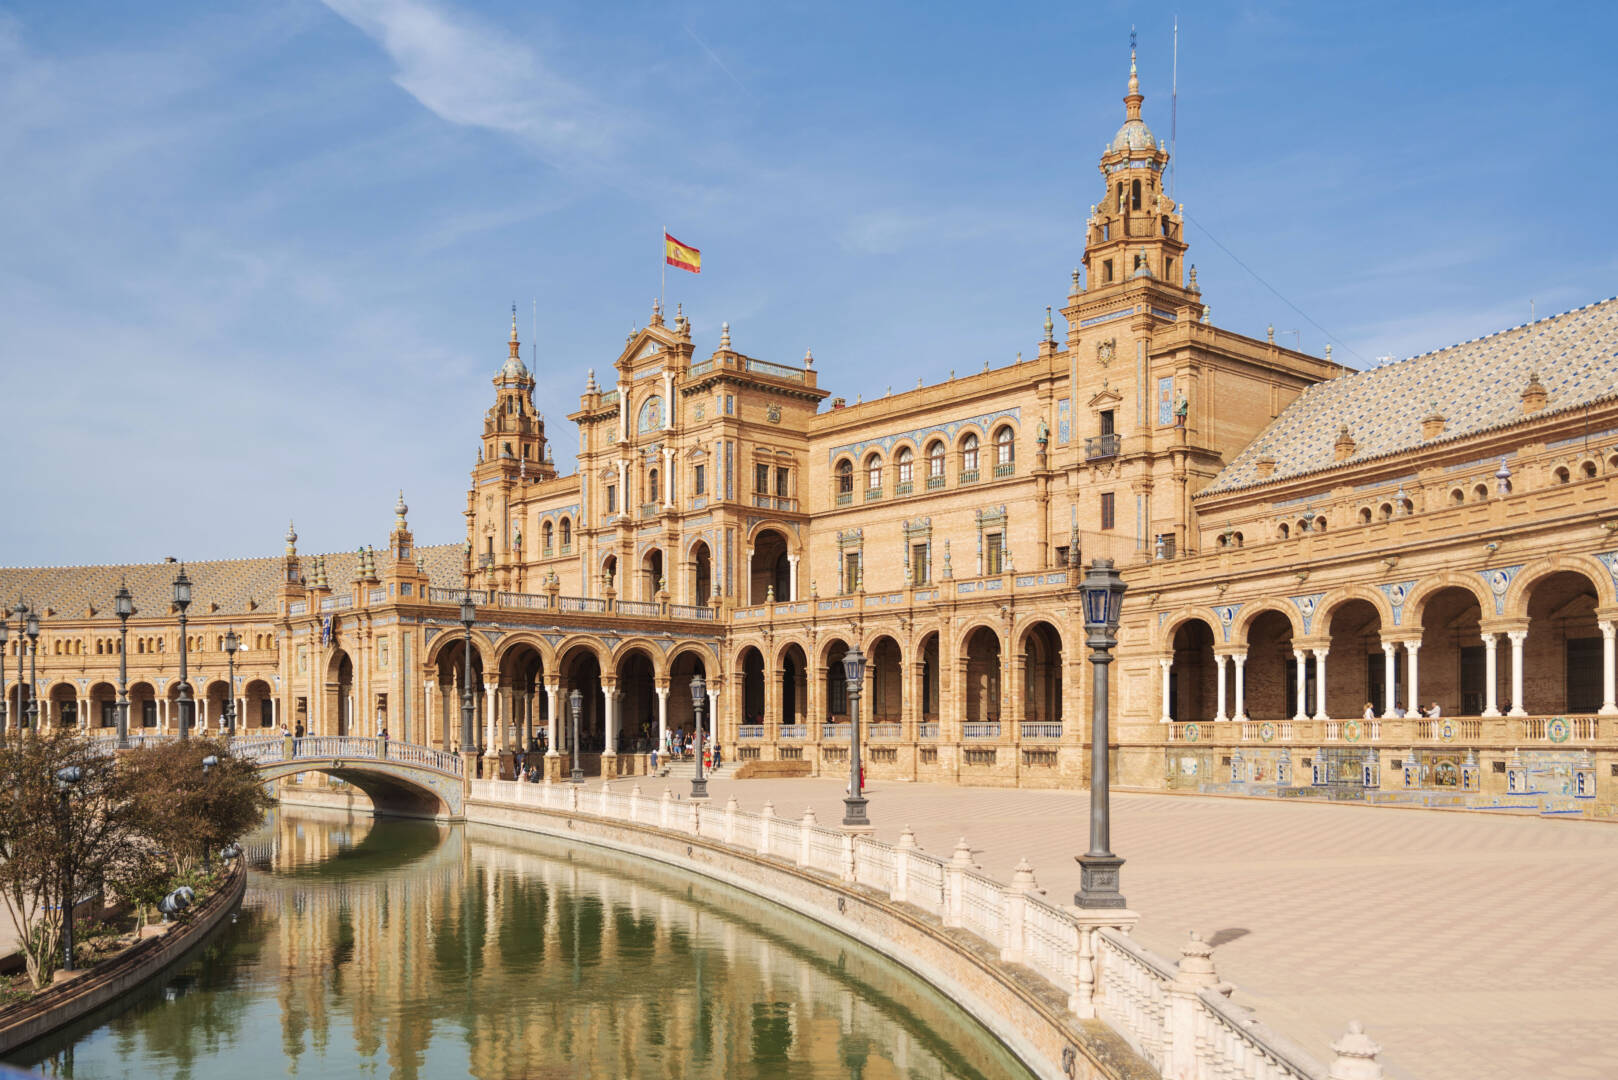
<point x="232" y="584"/>
<point x="1476" y="386"/>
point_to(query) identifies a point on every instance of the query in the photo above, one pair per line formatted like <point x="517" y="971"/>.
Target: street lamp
<point x="699" y="702"/>
<point x="66" y="778"/>
<point x="124" y="605"/>
<point x="469" y="615"/>
<point x="854" y="816"/>
<point x="182" y="600"/>
<point x="33" y="672"/>
<point x="232" y="643"/>
<point x="5" y="638"/>
<point x="575" y="704"/>
<point x="1103" y="599"/>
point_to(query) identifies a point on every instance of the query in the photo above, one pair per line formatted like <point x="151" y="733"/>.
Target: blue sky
<point x="258" y="263"/>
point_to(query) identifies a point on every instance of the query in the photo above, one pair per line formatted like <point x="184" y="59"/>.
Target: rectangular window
<point x="994" y="549"/>
<point x="612" y="498"/>
<point x="730" y="404"/>
<point x="918" y="564"/>
<point x="836" y="690"/>
<point x="1106" y="270"/>
<point x="783" y="483"/>
<point x="701" y="479"/>
<point x="761" y="479"/>
<point x="1583" y="674"/>
<point x="1061" y="555"/>
<point x="851" y="571"/>
<point x="1109" y="422"/>
<point x="1106" y="510"/>
<point x="1165" y="400"/>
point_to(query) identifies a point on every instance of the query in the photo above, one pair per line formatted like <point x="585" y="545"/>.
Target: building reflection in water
<point x="428" y="951"/>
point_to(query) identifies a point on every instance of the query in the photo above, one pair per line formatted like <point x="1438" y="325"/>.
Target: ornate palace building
<point x="1312" y="553"/>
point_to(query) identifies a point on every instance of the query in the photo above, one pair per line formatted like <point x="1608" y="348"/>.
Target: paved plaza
<point x="1471" y="946"/>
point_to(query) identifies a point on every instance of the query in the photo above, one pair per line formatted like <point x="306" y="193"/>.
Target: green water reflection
<point x="410" y="949"/>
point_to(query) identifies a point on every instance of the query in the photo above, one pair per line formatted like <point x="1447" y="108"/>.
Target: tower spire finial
<point x="1133" y="99"/>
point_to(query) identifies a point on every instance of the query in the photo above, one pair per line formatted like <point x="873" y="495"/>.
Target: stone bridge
<point x="400" y="778"/>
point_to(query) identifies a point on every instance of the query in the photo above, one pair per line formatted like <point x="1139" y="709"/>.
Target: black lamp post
<point x="5" y="694"/>
<point x="575" y="704"/>
<point x="699" y="703"/>
<point x="33" y="672"/>
<point x="469" y="614"/>
<point x="854" y="816"/>
<point x="66" y="778"/>
<point x="124" y="605"/>
<point x="1103" y="599"/>
<point x="232" y="643"/>
<point x="182" y="600"/>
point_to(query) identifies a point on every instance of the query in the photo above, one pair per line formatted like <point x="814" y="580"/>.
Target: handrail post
<point x="955" y="883"/>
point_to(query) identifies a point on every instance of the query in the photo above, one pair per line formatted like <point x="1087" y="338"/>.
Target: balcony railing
<point x="794" y="731"/>
<point x="927" y="729"/>
<point x="969" y="476"/>
<point x="1097" y="447"/>
<point x="883" y="730"/>
<point x="904" y="487"/>
<point x="690" y="611"/>
<point x="485" y="560"/>
<point x="834" y="732"/>
<point x="640" y="608"/>
<point x="981" y="729"/>
<point x="648" y="509"/>
<point x="1040" y="729"/>
<point x="844" y="498"/>
<point x="750" y="731"/>
<point x="873" y="494"/>
<point x="1005" y="469"/>
<point x="586" y="604"/>
<point x="934" y="483"/>
<point x="775" y="502"/>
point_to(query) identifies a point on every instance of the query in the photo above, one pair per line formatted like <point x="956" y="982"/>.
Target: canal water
<point x="409" y="949"/>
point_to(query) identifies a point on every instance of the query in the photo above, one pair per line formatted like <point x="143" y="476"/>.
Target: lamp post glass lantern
<point x="1099" y="867"/>
<point x="854" y="816"/>
<point x="66" y="779"/>
<point x="575" y="704"/>
<point x="124" y="605"/>
<point x="182" y="600"/>
<point x="231" y="645"/>
<point x="699" y="702"/>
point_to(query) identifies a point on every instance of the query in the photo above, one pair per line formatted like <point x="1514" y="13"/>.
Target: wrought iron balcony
<point x="1101" y="446"/>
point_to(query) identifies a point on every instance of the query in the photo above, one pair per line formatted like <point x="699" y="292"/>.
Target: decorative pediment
<point x="1106" y="398"/>
<point x="696" y="453"/>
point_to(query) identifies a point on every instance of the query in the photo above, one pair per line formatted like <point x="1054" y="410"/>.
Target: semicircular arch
<point x="1246" y="617"/>
<point x="1416" y="603"/>
<point x="1522" y="585"/>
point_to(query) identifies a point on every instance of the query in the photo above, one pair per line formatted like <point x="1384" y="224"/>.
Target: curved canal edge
<point x="67" y="1002"/>
<point x="1016" y="1007"/>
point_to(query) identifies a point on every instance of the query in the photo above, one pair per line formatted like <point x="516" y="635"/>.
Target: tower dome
<point x="1134" y="135"/>
<point x="514" y="368"/>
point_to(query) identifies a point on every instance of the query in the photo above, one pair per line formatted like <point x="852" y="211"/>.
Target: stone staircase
<point x="687" y="770"/>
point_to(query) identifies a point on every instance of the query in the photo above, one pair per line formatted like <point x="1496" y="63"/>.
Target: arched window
<point x="1134" y="194"/>
<point x="969" y="455"/>
<point x="935" y="464"/>
<point x="1238" y="539"/>
<point x="873" y="472"/>
<point x="1005" y="449"/>
<point x="1365" y="515"/>
<point x="549" y="534"/>
<point x="1562" y="475"/>
<point x="1386" y="510"/>
<point x="1480" y="493"/>
<point x="1588" y="469"/>
<point x="653" y="492"/>
<point x="907" y="465"/>
<point x="162" y="645"/>
<point x="845" y="480"/>
<point x="1457" y="497"/>
<point x="567" y="533"/>
<point x="1284" y="531"/>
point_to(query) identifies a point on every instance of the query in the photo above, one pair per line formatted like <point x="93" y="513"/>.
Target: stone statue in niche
<point x="1043" y="432"/>
<point x="1181" y="407"/>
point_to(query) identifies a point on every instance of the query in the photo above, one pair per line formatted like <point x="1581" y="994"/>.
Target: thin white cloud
<point x="475" y="76"/>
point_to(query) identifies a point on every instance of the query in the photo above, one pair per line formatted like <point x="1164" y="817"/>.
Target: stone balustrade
<point x="1176" y="1016"/>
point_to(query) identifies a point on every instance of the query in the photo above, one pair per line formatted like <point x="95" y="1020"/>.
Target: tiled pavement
<point x="1472" y="947"/>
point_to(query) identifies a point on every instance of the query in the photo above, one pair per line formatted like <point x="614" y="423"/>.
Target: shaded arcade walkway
<point x="1471" y="946"/>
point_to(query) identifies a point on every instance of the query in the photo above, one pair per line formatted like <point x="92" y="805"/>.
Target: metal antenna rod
<point x="1174" y="114"/>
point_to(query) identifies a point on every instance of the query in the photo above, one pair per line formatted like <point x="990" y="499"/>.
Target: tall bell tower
<point x="1135" y="232"/>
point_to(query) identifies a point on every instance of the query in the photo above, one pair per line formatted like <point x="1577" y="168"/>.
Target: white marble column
<point x="610" y="743"/>
<point x="427" y="712"/>
<point x="792" y="577"/>
<point x="1240" y="660"/>
<point x="1491" y="675"/>
<point x="713" y="713"/>
<point x="1609" y="670"/>
<point x="1320" y="684"/>
<point x="1390" y="678"/>
<point x="662" y="716"/>
<point x="668" y="474"/>
<point x="491" y="693"/>
<point x="1168" y="676"/>
<point x="1517" y="638"/>
<point x="1301" y="692"/>
<point x="1412" y="677"/>
<point x="553" y="695"/>
<point x="162" y="715"/>
<point x="1219" y="710"/>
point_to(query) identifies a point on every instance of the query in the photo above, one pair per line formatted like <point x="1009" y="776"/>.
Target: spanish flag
<point x="677" y="254"/>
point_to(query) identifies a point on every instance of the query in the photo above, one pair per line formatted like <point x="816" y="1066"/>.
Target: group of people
<point x="1400" y="712"/>
<point x="678" y="746"/>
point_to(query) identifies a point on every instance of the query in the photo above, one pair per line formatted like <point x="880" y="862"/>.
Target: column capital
<point x="1389" y="647"/>
<point x="1517" y="637"/>
<point x="1607" y="628"/>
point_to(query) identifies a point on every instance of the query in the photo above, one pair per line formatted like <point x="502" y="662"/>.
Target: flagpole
<point x="663" y="261"/>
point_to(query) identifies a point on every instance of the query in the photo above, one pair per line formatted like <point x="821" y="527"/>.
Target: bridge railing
<point x="272" y="750"/>
<point x="1175" y="1015"/>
